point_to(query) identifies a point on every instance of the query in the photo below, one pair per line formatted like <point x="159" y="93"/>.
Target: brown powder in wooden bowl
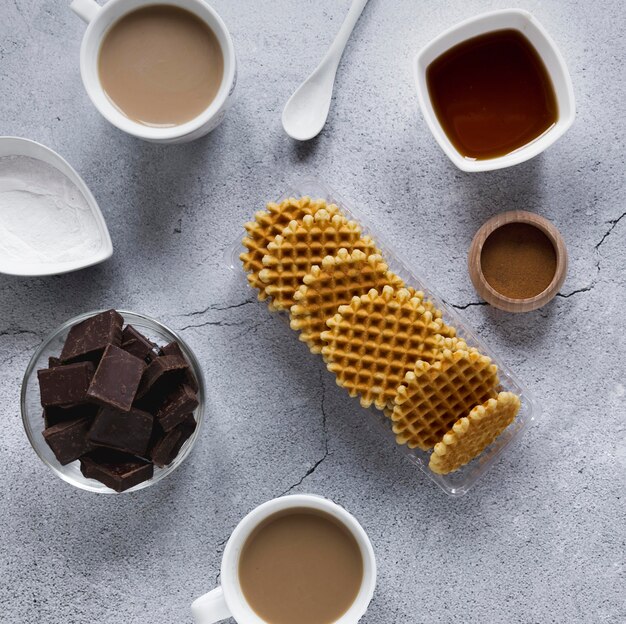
<point x="518" y="260"/>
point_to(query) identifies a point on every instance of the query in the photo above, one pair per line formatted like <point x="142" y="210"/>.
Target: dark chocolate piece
<point x="138" y="345"/>
<point x="65" y="385"/>
<point x="162" y="452"/>
<point x="187" y="427"/>
<point x="123" y="431"/>
<point x="166" y="448"/>
<point x="173" y="348"/>
<point x="54" y="415"/>
<point x="116" y="379"/>
<point x="53" y="362"/>
<point x="88" y="340"/>
<point x="118" y="471"/>
<point x="162" y="376"/>
<point x="68" y="440"/>
<point x="174" y="409"/>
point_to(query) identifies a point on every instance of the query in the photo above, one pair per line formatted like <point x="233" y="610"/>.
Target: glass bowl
<point x="32" y="410"/>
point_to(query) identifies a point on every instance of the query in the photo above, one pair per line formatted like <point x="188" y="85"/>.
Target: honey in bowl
<point x="492" y="94"/>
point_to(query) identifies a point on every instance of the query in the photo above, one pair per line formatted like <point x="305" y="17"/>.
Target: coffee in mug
<point x="295" y="559"/>
<point x="161" y="65"/>
<point x="300" y="565"/>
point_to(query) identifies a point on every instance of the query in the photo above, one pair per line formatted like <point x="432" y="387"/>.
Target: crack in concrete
<point x="458" y="306"/>
<point x="17" y="332"/>
<point x="326" y="453"/>
<point x="575" y="292"/>
<point x="613" y="224"/>
<point x="219" y="323"/>
<point x="216" y="308"/>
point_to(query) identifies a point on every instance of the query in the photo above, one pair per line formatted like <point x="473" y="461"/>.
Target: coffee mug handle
<point x="85" y="9"/>
<point x="210" y="608"/>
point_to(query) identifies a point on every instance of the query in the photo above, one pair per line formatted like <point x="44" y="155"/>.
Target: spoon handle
<point x="333" y="56"/>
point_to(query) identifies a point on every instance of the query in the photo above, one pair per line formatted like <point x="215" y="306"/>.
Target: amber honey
<point x="492" y="94"/>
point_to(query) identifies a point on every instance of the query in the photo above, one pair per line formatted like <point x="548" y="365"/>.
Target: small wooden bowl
<point x="492" y="296"/>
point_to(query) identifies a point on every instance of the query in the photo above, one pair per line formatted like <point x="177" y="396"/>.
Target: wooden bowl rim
<point x="487" y="291"/>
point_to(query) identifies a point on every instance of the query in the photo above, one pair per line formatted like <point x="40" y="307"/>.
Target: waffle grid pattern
<point x="437" y="394"/>
<point x="302" y="245"/>
<point x="268" y="224"/>
<point x="375" y="340"/>
<point x="333" y="284"/>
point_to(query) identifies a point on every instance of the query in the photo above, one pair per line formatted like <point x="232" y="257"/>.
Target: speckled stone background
<point x="541" y="539"/>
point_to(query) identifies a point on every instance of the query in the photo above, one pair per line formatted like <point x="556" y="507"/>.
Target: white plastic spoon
<point x="306" y="110"/>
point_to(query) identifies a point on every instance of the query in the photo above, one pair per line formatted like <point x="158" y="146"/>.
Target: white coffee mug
<point x="101" y="18"/>
<point x="228" y="600"/>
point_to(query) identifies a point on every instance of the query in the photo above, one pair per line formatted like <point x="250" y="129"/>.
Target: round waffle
<point x="376" y="339"/>
<point x="268" y="224"/>
<point x="334" y="283"/>
<point x="302" y="245"/>
<point x="471" y="435"/>
<point x="436" y="394"/>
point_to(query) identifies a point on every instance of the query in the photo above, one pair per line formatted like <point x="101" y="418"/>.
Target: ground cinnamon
<point x="518" y="260"/>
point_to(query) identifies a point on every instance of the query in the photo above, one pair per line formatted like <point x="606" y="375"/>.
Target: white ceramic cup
<point x="228" y="599"/>
<point x="529" y="26"/>
<point x="100" y="18"/>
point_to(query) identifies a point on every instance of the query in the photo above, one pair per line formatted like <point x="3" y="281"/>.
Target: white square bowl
<point x="514" y="19"/>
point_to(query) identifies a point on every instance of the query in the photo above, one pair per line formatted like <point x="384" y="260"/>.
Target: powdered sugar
<point x="43" y="215"/>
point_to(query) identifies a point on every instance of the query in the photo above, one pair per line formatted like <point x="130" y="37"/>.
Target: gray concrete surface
<point x="541" y="539"/>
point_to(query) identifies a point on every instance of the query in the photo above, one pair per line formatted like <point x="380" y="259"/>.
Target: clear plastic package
<point x="461" y="481"/>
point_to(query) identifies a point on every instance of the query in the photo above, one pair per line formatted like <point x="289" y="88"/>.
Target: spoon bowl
<point x="307" y="109"/>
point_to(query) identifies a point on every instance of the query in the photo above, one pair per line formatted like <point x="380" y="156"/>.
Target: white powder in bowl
<point x="43" y="215"/>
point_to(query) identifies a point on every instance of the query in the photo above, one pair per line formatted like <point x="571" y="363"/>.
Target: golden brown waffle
<point x="334" y="283"/>
<point x="471" y="435"/>
<point x="267" y="225"/>
<point x="437" y="394"/>
<point x="373" y="341"/>
<point x="302" y="245"/>
<point x="446" y="330"/>
<point x="453" y="344"/>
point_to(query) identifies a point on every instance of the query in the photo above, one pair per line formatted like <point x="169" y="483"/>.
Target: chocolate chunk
<point x="174" y="409"/>
<point x="162" y="452"/>
<point x="138" y="345"/>
<point x="53" y="362"/>
<point x="162" y="376"/>
<point x="118" y="471"/>
<point x="68" y="440"/>
<point x="165" y="450"/>
<point x="116" y="379"/>
<point x="187" y="427"/>
<point x="88" y="340"/>
<point x="65" y="385"/>
<point x="123" y="431"/>
<point x="55" y="415"/>
<point x="173" y="348"/>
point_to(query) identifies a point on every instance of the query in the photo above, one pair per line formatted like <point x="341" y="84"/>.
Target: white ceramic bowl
<point x="16" y="146"/>
<point x="525" y="23"/>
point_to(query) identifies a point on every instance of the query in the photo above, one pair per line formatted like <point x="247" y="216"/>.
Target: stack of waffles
<point x="386" y="343"/>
